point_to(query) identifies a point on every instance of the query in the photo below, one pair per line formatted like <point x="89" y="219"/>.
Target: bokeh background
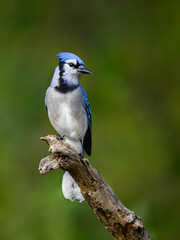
<point x="132" y="48"/>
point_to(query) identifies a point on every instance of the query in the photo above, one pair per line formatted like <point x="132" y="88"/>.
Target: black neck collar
<point x="65" y="88"/>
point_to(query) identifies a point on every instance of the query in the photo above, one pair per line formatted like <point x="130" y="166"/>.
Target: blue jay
<point x="69" y="113"/>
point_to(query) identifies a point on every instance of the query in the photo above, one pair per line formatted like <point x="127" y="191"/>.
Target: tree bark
<point x="122" y="223"/>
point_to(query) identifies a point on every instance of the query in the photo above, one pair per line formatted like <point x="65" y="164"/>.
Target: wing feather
<point x="87" y="143"/>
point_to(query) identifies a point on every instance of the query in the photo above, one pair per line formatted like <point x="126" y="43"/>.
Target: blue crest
<point x="66" y="55"/>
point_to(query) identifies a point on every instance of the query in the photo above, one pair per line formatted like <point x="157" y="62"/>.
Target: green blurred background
<point x="132" y="48"/>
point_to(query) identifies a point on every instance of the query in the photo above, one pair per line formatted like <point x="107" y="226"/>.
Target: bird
<point x="69" y="113"/>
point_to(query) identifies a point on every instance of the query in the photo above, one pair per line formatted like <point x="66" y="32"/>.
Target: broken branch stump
<point x="122" y="223"/>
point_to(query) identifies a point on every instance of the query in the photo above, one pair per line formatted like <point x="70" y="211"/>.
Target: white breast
<point x="67" y="113"/>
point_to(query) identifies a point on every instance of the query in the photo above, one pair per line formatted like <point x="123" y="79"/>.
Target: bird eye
<point x="71" y="64"/>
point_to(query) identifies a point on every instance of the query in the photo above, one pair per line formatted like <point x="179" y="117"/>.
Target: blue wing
<point x="87" y="143"/>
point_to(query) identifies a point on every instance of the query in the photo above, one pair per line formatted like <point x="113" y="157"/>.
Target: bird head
<point x="71" y="67"/>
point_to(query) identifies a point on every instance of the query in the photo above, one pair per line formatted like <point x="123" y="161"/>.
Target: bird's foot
<point x="81" y="155"/>
<point x="61" y="137"/>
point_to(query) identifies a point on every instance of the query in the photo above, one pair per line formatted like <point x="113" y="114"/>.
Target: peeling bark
<point x="122" y="223"/>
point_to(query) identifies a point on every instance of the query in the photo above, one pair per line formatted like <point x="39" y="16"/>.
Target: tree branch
<point x="122" y="223"/>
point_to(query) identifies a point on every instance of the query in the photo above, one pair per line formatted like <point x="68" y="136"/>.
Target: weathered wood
<point x="122" y="223"/>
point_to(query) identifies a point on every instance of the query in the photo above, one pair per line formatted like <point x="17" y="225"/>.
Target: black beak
<point x="84" y="70"/>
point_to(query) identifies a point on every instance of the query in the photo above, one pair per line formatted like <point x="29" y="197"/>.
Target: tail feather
<point x="70" y="188"/>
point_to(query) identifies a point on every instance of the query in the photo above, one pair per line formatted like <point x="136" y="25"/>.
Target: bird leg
<point x="61" y="137"/>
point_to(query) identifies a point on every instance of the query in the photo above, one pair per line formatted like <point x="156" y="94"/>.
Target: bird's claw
<point x="81" y="155"/>
<point x="61" y="137"/>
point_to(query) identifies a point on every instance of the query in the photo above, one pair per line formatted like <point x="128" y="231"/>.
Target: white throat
<point x="71" y="78"/>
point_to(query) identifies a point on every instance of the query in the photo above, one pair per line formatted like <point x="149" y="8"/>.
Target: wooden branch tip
<point x="122" y="223"/>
